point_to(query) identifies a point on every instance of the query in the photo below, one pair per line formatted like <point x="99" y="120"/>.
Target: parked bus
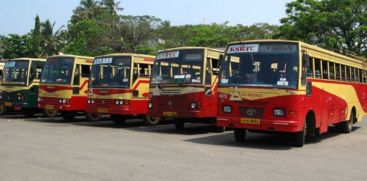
<point x="290" y="87"/>
<point x="183" y="85"/>
<point x="20" y="85"/>
<point x="119" y="86"/>
<point x="64" y="85"/>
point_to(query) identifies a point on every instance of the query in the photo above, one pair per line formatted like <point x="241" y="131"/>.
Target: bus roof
<point x="27" y="58"/>
<point x="71" y="56"/>
<point x="305" y="45"/>
<point x="187" y="48"/>
<point x="126" y="54"/>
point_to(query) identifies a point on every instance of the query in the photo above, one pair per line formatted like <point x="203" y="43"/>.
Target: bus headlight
<point x="39" y="99"/>
<point x="119" y="102"/>
<point x="150" y="105"/>
<point x="279" y="112"/>
<point x="194" y="105"/>
<point x="227" y="109"/>
<point x="63" y="101"/>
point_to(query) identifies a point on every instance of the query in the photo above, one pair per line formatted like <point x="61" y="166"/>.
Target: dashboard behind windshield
<point x="16" y="71"/>
<point x="58" y="71"/>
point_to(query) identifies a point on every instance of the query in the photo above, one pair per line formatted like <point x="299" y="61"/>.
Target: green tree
<point x="36" y="38"/>
<point x="334" y="24"/>
<point x="49" y="40"/>
<point x="16" y="46"/>
<point x="88" y="9"/>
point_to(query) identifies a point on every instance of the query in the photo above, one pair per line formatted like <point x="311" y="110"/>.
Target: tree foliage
<point x="334" y="24"/>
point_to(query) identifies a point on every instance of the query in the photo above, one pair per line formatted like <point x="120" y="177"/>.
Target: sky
<point x="17" y="16"/>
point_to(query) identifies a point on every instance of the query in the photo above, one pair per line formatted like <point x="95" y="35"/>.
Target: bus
<point x="184" y="85"/>
<point x="290" y="87"/>
<point x="119" y="86"/>
<point x="20" y="85"/>
<point x="64" y="85"/>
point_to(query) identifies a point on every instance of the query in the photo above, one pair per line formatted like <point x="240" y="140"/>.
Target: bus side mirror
<point x="308" y="89"/>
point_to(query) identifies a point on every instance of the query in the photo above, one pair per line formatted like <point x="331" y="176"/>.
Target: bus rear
<point x="64" y="85"/>
<point x="183" y="86"/>
<point x="119" y="86"/>
<point x="20" y="85"/>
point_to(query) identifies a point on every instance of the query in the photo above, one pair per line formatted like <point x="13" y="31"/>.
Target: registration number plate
<point x="8" y="104"/>
<point x="102" y="110"/>
<point x="49" y="106"/>
<point x="169" y="114"/>
<point x="250" y="121"/>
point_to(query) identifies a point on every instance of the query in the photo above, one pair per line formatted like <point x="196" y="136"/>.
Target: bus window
<point x="85" y="71"/>
<point x="343" y="75"/>
<point x="215" y="66"/>
<point x="325" y="72"/>
<point x="332" y="70"/>
<point x="310" y="70"/>
<point x="144" y="70"/>
<point x="353" y="75"/>
<point x="36" y="69"/>
<point x="208" y="72"/>
<point x="360" y="76"/>
<point x="76" y="76"/>
<point x="135" y="72"/>
<point x="317" y="68"/>
<point x="337" y="71"/>
<point x="348" y="73"/>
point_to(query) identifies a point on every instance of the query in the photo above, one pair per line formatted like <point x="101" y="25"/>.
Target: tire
<point x="347" y="126"/>
<point x="50" y="113"/>
<point x="300" y="137"/>
<point x="68" y="116"/>
<point x="28" y="113"/>
<point x="93" y="117"/>
<point x="150" y="121"/>
<point x="240" y="134"/>
<point x="179" y="125"/>
<point x="118" y="119"/>
<point x="219" y="129"/>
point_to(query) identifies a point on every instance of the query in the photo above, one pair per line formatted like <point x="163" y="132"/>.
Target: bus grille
<point x="103" y="102"/>
<point x="170" y="91"/>
<point x="171" y="103"/>
<point x="252" y="112"/>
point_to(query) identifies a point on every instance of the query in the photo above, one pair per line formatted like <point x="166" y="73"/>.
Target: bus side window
<point x="317" y="68"/>
<point x="215" y="66"/>
<point x="343" y="75"/>
<point x="360" y="75"/>
<point x="144" y="70"/>
<point x="36" y="68"/>
<point x="337" y="71"/>
<point x="325" y="72"/>
<point x="310" y="69"/>
<point x="332" y="70"/>
<point x="85" y="70"/>
<point x="348" y="73"/>
<point x="353" y="75"/>
<point x="76" y="75"/>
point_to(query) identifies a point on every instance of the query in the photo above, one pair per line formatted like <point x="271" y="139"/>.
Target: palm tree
<point x="87" y="9"/>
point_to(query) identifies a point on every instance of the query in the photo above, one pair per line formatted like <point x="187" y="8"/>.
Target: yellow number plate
<point x="102" y="110"/>
<point x="8" y="104"/>
<point x="49" y="106"/>
<point x="169" y="114"/>
<point x="250" y="121"/>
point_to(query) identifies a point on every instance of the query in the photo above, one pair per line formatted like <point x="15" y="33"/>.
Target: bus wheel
<point x="93" y="116"/>
<point x="68" y="115"/>
<point x="239" y="134"/>
<point x="347" y="126"/>
<point x="118" y="119"/>
<point x="150" y="121"/>
<point x="28" y="113"/>
<point x="50" y="113"/>
<point x="300" y="137"/>
<point x="179" y="125"/>
<point x="219" y="129"/>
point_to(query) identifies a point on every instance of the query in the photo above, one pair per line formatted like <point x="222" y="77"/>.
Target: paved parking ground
<point x="44" y="149"/>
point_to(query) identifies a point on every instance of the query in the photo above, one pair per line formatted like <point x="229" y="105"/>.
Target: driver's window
<point x="36" y="69"/>
<point x="208" y="72"/>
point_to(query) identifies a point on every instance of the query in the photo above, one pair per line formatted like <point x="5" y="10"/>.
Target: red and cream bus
<point x="183" y="85"/>
<point x="119" y="86"/>
<point x="64" y="86"/>
<point x="289" y="87"/>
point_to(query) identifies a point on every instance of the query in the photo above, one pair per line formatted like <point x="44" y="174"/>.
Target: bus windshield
<point x="58" y="71"/>
<point x="111" y="72"/>
<point x="16" y="71"/>
<point x="178" y="67"/>
<point x="261" y="64"/>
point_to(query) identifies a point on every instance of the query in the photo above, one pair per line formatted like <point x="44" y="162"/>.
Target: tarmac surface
<point x="53" y="149"/>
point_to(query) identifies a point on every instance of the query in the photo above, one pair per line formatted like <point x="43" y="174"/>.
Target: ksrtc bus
<point x="64" y="85"/>
<point x="21" y="78"/>
<point x="290" y="87"/>
<point x="119" y="86"/>
<point x="184" y="85"/>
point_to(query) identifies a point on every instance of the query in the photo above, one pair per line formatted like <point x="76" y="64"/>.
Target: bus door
<point x="211" y="84"/>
